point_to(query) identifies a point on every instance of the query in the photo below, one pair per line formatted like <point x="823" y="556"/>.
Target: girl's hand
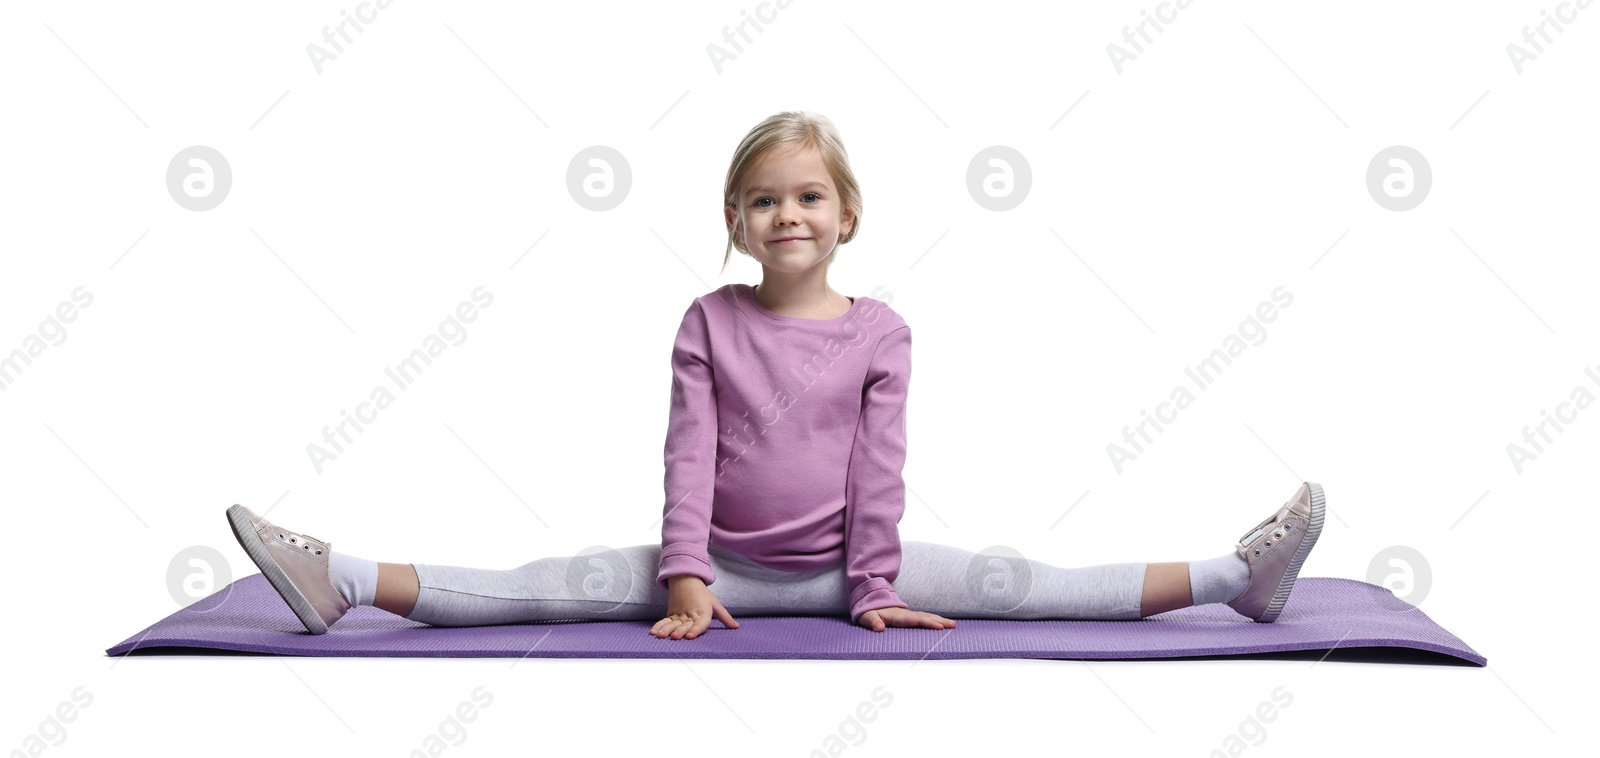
<point x="882" y="618"/>
<point x="690" y="608"/>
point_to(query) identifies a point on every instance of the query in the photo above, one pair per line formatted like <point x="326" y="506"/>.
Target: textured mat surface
<point x="1322" y="614"/>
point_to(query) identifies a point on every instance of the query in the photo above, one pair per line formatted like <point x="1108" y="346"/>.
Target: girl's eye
<point x="808" y="194"/>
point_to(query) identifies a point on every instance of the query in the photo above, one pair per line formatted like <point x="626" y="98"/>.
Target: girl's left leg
<point x="1166" y="588"/>
<point x="957" y="583"/>
<point x="1254" y="579"/>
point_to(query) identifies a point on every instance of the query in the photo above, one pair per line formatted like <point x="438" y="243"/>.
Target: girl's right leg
<point x="397" y="588"/>
<point x="613" y="585"/>
<point x="321" y="585"/>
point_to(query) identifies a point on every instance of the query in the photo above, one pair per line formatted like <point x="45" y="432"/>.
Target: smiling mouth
<point x="792" y="239"/>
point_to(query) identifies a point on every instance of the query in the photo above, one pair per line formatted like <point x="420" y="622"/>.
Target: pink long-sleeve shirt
<point x="785" y="442"/>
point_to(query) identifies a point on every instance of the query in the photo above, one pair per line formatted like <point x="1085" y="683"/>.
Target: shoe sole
<point x="1313" y="530"/>
<point x="244" y="529"/>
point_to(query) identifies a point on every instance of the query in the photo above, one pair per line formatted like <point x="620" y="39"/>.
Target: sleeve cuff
<point x="684" y="561"/>
<point x="873" y="594"/>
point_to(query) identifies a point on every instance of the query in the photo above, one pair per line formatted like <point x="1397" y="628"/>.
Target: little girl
<point x="785" y="444"/>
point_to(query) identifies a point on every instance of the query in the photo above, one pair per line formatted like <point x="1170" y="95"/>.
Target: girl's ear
<point x="847" y="222"/>
<point x="732" y="219"/>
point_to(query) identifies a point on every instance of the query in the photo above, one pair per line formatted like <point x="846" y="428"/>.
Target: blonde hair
<point x="791" y="130"/>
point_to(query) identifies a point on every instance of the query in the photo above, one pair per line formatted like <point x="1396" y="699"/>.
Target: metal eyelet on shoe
<point x="1269" y="543"/>
<point x="1277" y="534"/>
<point x="1258" y="552"/>
<point x="1287" y="527"/>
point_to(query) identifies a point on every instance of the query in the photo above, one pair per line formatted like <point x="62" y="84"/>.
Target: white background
<point x="368" y="200"/>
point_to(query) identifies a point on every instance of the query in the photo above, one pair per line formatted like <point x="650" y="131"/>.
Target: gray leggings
<point x="620" y="584"/>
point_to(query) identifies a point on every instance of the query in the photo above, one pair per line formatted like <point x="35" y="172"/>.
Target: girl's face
<point x="786" y="195"/>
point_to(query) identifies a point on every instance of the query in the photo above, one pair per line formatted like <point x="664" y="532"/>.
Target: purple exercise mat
<point x="1322" y="614"/>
